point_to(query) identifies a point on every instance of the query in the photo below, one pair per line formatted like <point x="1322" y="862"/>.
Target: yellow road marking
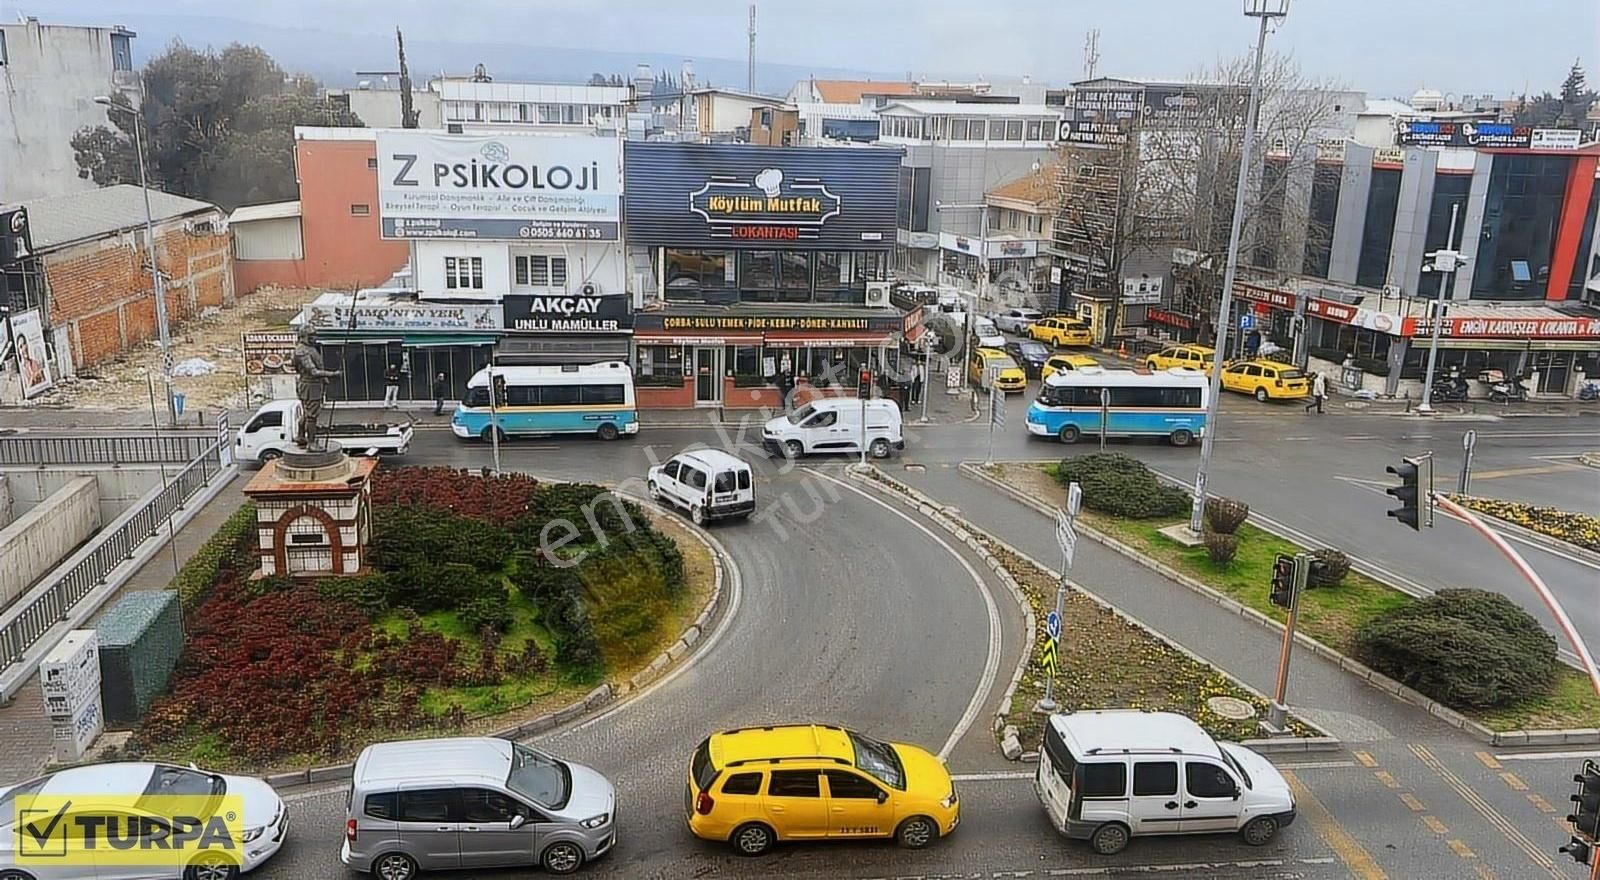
<point x="1484" y="873"/>
<point x="1476" y="801"/>
<point x="1523" y="471"/>
<point x="1488" y="760"/>
<point x="1365" y="759"/>
<point x="1411" y="801"/>
<point x="1512" y="780"/>
<point x="1435" y="825"/>
<point x="1354" y="856"/>
<point x="1386" y="778"/>
<point x="1541" y="804"/>
<point x="1461" y="849"/>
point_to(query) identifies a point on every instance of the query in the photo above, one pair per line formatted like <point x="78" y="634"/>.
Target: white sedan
<point x="1016" y="320"/>
<point x="90" y="796"/>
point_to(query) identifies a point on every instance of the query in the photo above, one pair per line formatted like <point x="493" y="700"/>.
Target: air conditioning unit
<point x="589" y="288"/>
<point x="878" y="294"/>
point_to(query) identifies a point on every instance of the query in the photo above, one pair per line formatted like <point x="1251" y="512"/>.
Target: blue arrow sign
<point x="1052" y="625"/>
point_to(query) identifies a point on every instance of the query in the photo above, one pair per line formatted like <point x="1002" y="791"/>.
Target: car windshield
<point x="880" y="760"/>
<point x="182" y="780"/>
<point x="1236" y="768"/>
<point x="801" y="414"/>
<point x="1034" y="350"/>
<point x="539" y="777"/>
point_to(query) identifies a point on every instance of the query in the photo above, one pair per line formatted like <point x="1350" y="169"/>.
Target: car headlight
<point x="949" y="800"/>
<point x="251" y="834"/>
<point x="596" y="821"/>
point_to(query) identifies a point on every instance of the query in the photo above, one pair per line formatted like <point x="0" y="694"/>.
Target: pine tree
<point x="1576" y="97"/>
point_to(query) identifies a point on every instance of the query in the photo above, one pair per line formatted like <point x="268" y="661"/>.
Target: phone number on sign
<point x="560" y="232"/>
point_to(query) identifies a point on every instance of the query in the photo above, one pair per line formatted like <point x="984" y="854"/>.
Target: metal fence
<point x="169" y="448"/>
<point x="51" y="601"/>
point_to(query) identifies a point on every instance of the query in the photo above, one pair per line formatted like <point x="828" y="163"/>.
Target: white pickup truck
<point x="270" y="432"/>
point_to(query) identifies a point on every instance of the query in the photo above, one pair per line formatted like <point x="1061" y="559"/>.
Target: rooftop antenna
<point x="750" y="77"/>
<point x="1091" y="52"/>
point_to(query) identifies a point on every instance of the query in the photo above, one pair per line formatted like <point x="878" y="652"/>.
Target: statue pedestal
<point x="313" y="513"/>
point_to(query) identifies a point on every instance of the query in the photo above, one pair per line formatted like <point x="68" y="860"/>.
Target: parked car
<point x="1188" y="357"/>
<point x="833" y="424"/>
<point x="473" y="802"/>
<point x="707" y="483"/>
<point x="1016" y="320"/>
<point x="1061" y="332"/>
<point x="758" y="786"/>
<point x="991" y="365"/>
<point x="988" y="334"/>
<point x="1266" y="380"/>
<point x="1029" y="355"/>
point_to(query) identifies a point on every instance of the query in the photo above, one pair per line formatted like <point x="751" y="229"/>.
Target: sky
<point x="1385" y="47"/>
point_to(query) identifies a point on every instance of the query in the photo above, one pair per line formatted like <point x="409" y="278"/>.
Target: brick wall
<point x="100" y="290"/>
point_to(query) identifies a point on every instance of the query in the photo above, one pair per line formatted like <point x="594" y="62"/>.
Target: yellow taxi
<point x="1008" y="377"/>
<point x="1061" y="331"/>
<point x="756" y="786"/>
<point x="1267" y="380"/>
<point x="1188" y="357"/>
<point x="1061" y="363"/>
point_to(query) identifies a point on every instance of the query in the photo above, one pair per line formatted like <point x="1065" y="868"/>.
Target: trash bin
<point x="177" y="403"/>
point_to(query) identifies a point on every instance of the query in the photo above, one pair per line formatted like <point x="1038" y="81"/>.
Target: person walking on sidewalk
<point x="916" y="383"/>
<point x="440" y="389"/>
<point x="1319" y="392"/>
<point x="391" y="386"/>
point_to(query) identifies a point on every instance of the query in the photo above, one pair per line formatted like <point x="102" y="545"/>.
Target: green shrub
<point x="1329" y="568"/>
<point x="1221" y="547"/>
<point x="228" y="548"/>
<point x="408" y="536"/>
<point x="542" y="582"/>
<point x="489" y="610"/>
<point x="1120" y="485"/>
<point x="568" y="620"/>
<point x="1464" y="648"/>
<point x="1225" y="515"/>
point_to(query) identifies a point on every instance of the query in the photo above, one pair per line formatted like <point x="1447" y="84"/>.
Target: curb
<point x="968" y="532"/>
<point x="1527" y="534"/>
<point x="603" y="695"/>
<point x="1343" y="661"/>
<point x="1592" y="459"/>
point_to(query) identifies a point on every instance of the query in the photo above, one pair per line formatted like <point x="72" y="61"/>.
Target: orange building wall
<point x="342" y="250"/>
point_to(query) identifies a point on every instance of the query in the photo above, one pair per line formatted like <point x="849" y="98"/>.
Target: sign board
<point x="16" y="238"/>
<point x="1368" y="319"/>
<point x="267" y="352"/>
<point x="1508" y="328"/>
<point x="1066" y="536"/>
<point x="1247" y="321"/>
<point x="1141" y="291"/>
<point x="997" y="403"/>
<point x="1055" y="274"/>
<point x="28" y="345"/>
<point x="562" y="313"/>
<point x="332" y="311"/>
<point x="1171" y="319"/>
<point x="1049" y="657"/>
<point x="1074" y="499"/>
<point x="1555" y="139"/>
<point x="888" y="323"/>
<point x="224" y="442"/>
<point x="507" y="185"/>
<point x="1052" y="625"/>
<point x="952" y="380"/>
<point x="1486" y="135"/>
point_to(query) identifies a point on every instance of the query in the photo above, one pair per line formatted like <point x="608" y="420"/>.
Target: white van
<point x="708" y="483"/>
<point x="988" y="334"/>
<point x="1107" y="775"/>
<point x="833" y="424"/>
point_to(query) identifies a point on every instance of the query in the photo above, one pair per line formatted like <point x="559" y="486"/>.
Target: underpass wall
<point x="119" y="487"/>
<point x="5" y="502"/>
<point x="37" y="540"/>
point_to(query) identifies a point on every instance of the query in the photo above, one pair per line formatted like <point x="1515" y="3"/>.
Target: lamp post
<point x="983" y="260"/>
<point x="1445" y="261"/>
<point x="150" y="254"/>
<point x="1266" y="11"/>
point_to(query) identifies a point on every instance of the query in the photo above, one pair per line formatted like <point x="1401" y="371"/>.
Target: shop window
<point x="744" y="362"/>
<point x="1520" y="217"/>
<point x="758" y="274"/>
<point x="1377" y="237"/>
<point x="463" y="273"/>
<point x="794" y="276"/>
<point x="921" y="183"/>
<point x="658" y="365"/>
<point x="871" y="265"/>
<point x="689" y="272"/>
<point x="540" y="270"/>
<point x="1448" y="190"/>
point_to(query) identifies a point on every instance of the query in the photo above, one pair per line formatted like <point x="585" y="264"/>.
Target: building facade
<point x="50" y="76"/>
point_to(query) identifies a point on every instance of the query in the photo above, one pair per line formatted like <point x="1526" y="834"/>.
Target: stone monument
<point x="313" y="505"/>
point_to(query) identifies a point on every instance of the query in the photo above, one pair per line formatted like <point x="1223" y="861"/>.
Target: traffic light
<point x="498" y="398"/>
<point x="1579" y="849"/>
<point x="1283" y="580"/>
<point x="1414" y="492"/>
<point x="1586" y="820"/>
<point x="864" y="384"/>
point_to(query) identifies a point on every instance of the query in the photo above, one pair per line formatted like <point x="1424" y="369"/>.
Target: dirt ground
<point x="123" y="384"/>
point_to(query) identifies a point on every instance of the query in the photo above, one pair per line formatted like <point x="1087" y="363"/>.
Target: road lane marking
<point x="1514" y="781"/>
<point x="1350" y="852"/>
<point x="1386" y="778"/>
<point x="1435" y="825"/>
<point x="1483" y="873"/>
<point x="1315" y="765"/>
<point x="1411" y="801"/>
<point x="1487" y="760"/>
<point x="1495" y="818"/>
<point x="1540" y="804"/>
<point x="991" y="665"/>
<point x="1528" y="471"/>
<point x="1460" y="849"/>
<point x="1546" y="756"/>
<point x="1365" y="758"/>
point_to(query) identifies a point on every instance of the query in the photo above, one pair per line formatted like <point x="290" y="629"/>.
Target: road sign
<point x="224" y="442"/>
<point x="1074" y="499"/>
<point x="1048" y="658"/>
<point x="1247" y="321"/>
<point x="1052" y="625"/>
<point x="997" y="406"/>
<point x="1066" y="535"/>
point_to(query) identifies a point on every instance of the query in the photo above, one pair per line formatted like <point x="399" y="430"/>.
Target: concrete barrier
<point x="46" y="534"/>
<point x="5" y="501"/>
<point x="120" y="487"/>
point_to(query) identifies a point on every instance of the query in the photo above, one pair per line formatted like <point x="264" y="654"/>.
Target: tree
<point x="408" y="114"/>
<point x="1576" y="97"/>
<point x="212" y="121"/>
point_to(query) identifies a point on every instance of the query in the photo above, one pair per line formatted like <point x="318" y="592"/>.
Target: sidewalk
<point x="24" y="729"/>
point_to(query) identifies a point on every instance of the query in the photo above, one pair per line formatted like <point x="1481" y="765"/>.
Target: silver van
<point x="473" y="802"/>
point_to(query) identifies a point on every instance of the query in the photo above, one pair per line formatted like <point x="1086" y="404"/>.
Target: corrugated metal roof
<point x="273" y="211"/>
<point x="59" y="220"/>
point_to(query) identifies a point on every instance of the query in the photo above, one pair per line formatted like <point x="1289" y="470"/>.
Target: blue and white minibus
<point x="1168" y="403"/>
<point x="573" y="399"/>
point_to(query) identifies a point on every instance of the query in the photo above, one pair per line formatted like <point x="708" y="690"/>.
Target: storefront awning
<point x="440" y="340"/>
<point x="660" y="337"/>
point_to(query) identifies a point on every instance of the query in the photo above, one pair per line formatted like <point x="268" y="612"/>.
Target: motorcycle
<point x="1501" y="389"/>
<point x="1589" y="391"/>
<point x="1449" y="389"/>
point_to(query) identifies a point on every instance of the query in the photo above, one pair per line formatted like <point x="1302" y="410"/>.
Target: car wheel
<point x="490" y="433"/>
<point x="562" y="857"/>
<point x="1109" y="839"/>
<point x="1262" y="395"/>
<point x="916" y="832"/>
<point x="655" y="492"/>
<point x="1069" y="434"/>
<point x="213" y="867"/>
<point x="608" y="431"/>
<point x="15" y="875"/>
<point x="1151" y="366"/>
<point x="1181" y="437"/>
<point x="879" y="448"/>
<point x="698" y="514"/>
<point x="753" y="839"/>
<point x="793" y="449"/>
<point x="270" y="455"/>
<point x="1259" y="831"/>
<point x="394" y="866"/>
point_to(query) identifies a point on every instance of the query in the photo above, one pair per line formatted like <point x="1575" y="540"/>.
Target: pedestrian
<point x="916" y="383"/>
<point x="1319" y="392"/>
<point x="440" y="389"/>
<point x="391" y="387"/>
<point x="786" y="386"/>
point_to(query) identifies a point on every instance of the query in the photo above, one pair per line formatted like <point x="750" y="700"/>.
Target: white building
<point x="50" y="76"/>
<point x="720" y="113"/>
<point x="541" y="106"/>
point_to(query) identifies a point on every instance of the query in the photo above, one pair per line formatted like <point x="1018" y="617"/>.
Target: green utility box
<point x="140" y="640"/>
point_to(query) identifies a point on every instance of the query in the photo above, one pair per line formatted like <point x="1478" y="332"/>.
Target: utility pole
<point x="750" y="75"/>
<point x="1445" y="260"/>
<point x="1091" y="52"/>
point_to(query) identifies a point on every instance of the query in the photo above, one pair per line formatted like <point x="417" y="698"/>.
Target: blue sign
<point x="1247" y="322"/>
<point x="1052" y="625"/>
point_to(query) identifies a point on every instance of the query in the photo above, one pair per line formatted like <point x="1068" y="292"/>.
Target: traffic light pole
<point x="1277" y="713"/>
<point x="494" y="421"/>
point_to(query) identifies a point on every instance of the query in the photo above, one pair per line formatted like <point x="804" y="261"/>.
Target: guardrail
<point x="52" y="601"/>
<point x="167" y="448"/>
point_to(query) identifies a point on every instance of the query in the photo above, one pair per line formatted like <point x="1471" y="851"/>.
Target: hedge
<point x="1121" y="485"/>
<point x="228" y="547"/>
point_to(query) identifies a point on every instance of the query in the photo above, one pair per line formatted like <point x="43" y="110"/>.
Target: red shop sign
<point x="1509" y="328"/>
<point x="1161" y="316"/>
<point x="1271" y="296"/>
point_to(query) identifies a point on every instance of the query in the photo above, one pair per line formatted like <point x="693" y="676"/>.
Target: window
<point x="766" y="117"/>
<point x="463" y="273"/>
<point x="539" y="270"/>
<point x="1013" y="129"/>
<point x="724" y="481"/>
<point x="1205" y="780"/>
<point x="605" y="394"/>
<point x="549" y="114"/>
<point x="958" y="129"/>
<point x="483" y="805"/>
<point x="1377" y="236"/>
<point x="1324" y="207"/>
<point x="558" y="395"/>
<point x="794" y="783"/>
<point x="521" y="395"/>
<point x="372" y="162"/>
<point x="1061" y="759"/>
<point x="671" y="469"/>
<point x="937" y="127"/>
<point x="2" y="47"/>
<point x="425" y="805"/>
<point x="997" y="129"/>
<point x="522" y="113"/>
<point x="658" y="365"/>
<point x="758" y="272"/>
<point x="1035" y="130"/>
<point x="692" y="477"/>
<point x="381" y="806"/>
<point x="360" y="210"/>
<point x="844" y="784"/>
<point x="1155" y="778"/>
<point x="272" y="419"/>
<point x="823" y="420"/>
<point x="744" y="479"/>
<point x="742" y="783"/>
<point x="878" y="758"/>
<point x="1102" y="780"/>
<point x="1521" y="213"/>
<point x="744" y="361"/>
<point x="121" y="52"/>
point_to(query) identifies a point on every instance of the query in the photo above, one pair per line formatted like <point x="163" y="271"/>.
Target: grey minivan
<point x="473" y="802"/>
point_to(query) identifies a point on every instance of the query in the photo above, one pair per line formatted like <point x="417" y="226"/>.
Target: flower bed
<point x="461" y="618"/>
<point x="1577" y="529"/>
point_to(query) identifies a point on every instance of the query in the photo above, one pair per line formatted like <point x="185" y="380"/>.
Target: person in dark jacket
<point x="391" y="386"/>
<point x="440" y="389"/>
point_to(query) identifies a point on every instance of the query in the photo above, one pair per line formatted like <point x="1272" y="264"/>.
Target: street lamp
<point x="983" y="255"/>
<point x="150" y="253"/>
<point x="1445" y="261"/>
<point x="1266" y="11"/>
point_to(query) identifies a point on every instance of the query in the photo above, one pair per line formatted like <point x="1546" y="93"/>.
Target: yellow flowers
<point x="1579" y="529"/>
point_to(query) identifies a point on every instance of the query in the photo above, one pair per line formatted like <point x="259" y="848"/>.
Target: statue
<point x="310" y="385"/>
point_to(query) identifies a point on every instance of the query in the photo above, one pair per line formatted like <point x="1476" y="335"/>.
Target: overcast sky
<point x="1387" y="47"/>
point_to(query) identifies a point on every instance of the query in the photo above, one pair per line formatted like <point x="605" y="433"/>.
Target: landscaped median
<point x="1581" y="530"/>
<point x="493" y="605"/>
<point x="1454" y="646"/>
<point x="1107" y="659"/>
